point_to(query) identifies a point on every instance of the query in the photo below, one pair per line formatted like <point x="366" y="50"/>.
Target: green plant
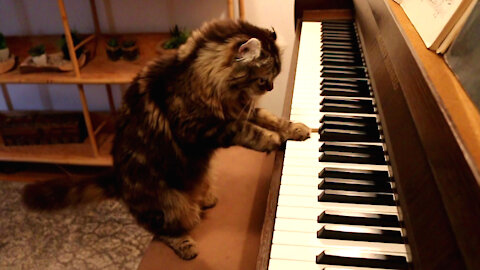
<point x="113" y="42"/>
<point x="178" y="37"/>
<point x="3" y="42"/>
<point x="128" y="43"/>
<point x="37" y="50"/>
<point x="76" y="40"/>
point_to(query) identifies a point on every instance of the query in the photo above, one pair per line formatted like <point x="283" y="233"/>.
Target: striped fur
<point x="179" y="109"/>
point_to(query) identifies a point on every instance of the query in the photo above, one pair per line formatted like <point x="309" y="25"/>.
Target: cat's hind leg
<point x="208" y="198"/>
<point x="170" y="220"/>
<point x="184" y="246"/>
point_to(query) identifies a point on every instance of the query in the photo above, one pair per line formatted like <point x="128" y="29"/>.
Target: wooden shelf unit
<point x="72" y="153"/>
<point x="97" y="70"/>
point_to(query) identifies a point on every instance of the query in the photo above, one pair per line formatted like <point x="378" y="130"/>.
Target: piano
<point x="387" y="179"/>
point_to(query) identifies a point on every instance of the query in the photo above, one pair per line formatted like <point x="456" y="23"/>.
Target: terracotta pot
<point x="114" y="53"/>
<point x="130" y="53"/>
<point x="4" y="54"/>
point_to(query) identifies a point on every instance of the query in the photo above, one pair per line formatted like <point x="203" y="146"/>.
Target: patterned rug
<point x="103" y="236"/>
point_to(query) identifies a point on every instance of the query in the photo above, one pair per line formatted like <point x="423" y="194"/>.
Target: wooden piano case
<point x="434" y="155"/>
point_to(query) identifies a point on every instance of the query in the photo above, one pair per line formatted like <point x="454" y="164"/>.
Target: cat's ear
<point x="249" y="50"/>
<point x="273" y="34"/>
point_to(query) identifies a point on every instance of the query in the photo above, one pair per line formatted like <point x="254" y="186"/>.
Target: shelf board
<point x="98" y="69"/>
<point x="71" y="153"/>
<point x="464" y="115"/>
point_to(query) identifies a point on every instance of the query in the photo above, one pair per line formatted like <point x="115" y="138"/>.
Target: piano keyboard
<point x="336" y="208"/>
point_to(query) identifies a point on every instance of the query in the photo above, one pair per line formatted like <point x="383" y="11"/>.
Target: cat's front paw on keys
<point x="298" y="132"/>
<point x="273" y="142"/>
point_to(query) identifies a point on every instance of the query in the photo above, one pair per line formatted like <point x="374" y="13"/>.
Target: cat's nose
<point x="269" y="86"/>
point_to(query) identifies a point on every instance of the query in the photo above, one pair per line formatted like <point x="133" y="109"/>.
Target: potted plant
<point x="129" y="50"/>
<point x="76" y="40"/>
<point x="114" y="52"/>
<point x="38" y="55"/>
<point x="4" y="51"/>
<point x="177" y="38"/>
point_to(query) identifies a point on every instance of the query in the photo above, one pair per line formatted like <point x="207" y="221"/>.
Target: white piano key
<point x="312" y="226"/>
<point x="310" y="240"/>
<point x="310" y="213"/>
<point x="301" y="257"/>
<point x="305" y="181"/>
<point x="282" y="264"/>
<point x="312" y="202"/>
<point x="312" y="165"/>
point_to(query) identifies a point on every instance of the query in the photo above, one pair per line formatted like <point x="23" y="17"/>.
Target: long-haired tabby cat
<point x="177" y="111"/>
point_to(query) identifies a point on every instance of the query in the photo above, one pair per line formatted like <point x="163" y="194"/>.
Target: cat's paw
<point x="209" y="201"/>
<point x="273" y="142"/>
<point x="298" y="132"/>
<point x="185" y="247"/>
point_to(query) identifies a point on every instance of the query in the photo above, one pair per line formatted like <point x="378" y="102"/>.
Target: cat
<point x="177" y="111"/>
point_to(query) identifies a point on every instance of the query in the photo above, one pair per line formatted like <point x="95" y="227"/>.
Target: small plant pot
<point x="4" y="54"/>
<point x="130" y="53"/>
<point x="40" y="60"/>
<point x="114" y="53"/>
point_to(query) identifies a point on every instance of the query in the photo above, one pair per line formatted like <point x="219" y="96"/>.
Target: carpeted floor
<point x="102" y="236"/>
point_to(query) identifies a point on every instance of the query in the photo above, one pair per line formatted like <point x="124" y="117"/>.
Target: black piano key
<point x="347" y="105"/>
<point x="343" y="92"/>
<point x="359" y="71"/>
<point x="332" y="52"/>
<point x="346" y="173"/>
<point x="341" y="62"/>
<point x="354" y="185"/>
<point x="349" y="39"/>
<point x="344" y="157"/>
<point x="365" y="128"/>
<point x="334" y="47"/>
<point x="328" y="134"/>
<point x="362" y="84"/>
<point x="359" y="120"/>
<point x="363" y="219"/>
<point x="325" y="73"/>
<point x="348" y="27"/>
<point x="360" y="234"/>
<point x="375" y="153"/>
<point x="346" y="108"/>
<point x="332" y="33"/>
<point x="340" y="196"/>
<point x="376" y="150"/>
<point x="345" y="258"/>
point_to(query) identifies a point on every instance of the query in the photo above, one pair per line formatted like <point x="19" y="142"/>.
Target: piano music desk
<point x="229" y="235"/>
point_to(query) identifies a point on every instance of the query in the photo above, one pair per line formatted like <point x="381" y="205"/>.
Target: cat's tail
<point x="63" y="192"/>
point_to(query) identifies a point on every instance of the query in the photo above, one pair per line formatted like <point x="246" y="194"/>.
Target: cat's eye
<point x="262" y="81"/>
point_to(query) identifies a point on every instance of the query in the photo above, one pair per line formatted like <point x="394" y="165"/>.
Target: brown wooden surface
<point x="464" y="116"/>
<point x="330" y="14"/>
<point x="306" y="5"/>
<point x="99" y="70"/>
<point x="228" y="236"/>
<point x="431" y="240"/>
<point x="456" y="176"/>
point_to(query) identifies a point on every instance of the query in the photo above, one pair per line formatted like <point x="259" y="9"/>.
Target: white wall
<point x="279" y="15"/>
<point x="34" y="17"/>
